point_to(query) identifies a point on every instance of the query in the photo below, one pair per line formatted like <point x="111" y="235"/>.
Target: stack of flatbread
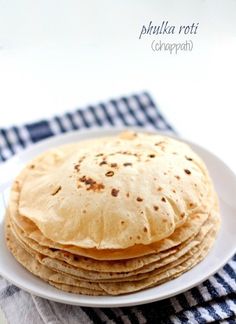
<point x="112" y="215"/>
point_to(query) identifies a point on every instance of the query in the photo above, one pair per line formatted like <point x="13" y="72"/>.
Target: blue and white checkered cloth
<point x="212" y="301"/>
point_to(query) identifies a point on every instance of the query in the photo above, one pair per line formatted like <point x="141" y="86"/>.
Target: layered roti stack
<point x="112" y="215"/>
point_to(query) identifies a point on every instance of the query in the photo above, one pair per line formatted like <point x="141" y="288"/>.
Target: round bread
<point x="71" y="283"/>
<point x="115" y="192"/>
<point x="122" y="265"/>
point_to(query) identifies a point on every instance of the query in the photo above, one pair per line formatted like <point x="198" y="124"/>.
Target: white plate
<point x="224" y="248"/>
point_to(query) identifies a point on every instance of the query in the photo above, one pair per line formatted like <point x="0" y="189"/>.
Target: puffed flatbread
<point x="113" y="215"/>
<point x="143" y="187"/>
<point x="160" y="260"/>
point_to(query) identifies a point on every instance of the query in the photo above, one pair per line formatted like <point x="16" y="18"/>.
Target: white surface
<point x="223" y="249"/>
<point x="2" y="317"/>
<point x="58" y="55"/>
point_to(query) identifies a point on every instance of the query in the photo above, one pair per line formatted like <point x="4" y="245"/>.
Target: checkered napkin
<point x="212" y="301"/>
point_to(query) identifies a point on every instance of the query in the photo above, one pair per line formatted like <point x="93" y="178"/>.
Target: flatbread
<point x="160" y="260"/>
<point x="187" y="230"/>
<point x="162" y="266"/>
<point x="99" y="265"/>
<point x="148" y="187"/>
<point x="160" y="278"/>
<point x="114" y="215"/>
<point x="70" y="284"/>
<point x="45" y="273"/>
<point x="76" y="290"/>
